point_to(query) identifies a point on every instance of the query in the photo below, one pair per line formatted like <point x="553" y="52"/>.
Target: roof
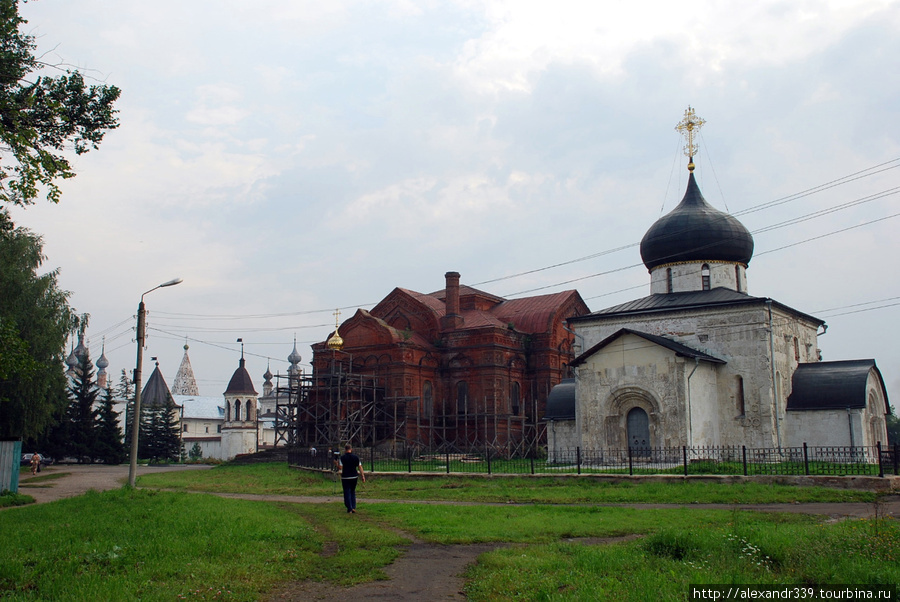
<point x="561" y="401"/>
<point x="833" y="385"/>
<point x="240" y="383"/>
<point x="201" y="408"/>
<point x="676" y="347"/>
<point x="532" y="314"/>
<point x="664" y="302"/>
<point x="696" y="231"/>
<point x="156" y="392"/>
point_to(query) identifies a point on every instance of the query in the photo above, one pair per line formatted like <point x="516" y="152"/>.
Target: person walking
<point x="35" y="463"/>
<point x="349" y="464"/>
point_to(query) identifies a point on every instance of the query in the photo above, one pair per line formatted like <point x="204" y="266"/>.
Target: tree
<point x="162" y="441"/>
<point x="35" y="322"/>
<point x="196" y="454"/>
<point x="81" y="415"/>
<point x="893" y="427"/>
<point x="43" y="117"/>
<point x="109" y="447"/>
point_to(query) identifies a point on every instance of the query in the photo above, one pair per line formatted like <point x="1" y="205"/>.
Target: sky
<point x="286" y="158"/>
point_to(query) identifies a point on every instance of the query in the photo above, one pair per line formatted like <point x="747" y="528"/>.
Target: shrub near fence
<point x="729" y="460"/>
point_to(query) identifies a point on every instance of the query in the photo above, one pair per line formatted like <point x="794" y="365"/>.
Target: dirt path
<point x="77" y="479"/>
<point x="424" y="571"/>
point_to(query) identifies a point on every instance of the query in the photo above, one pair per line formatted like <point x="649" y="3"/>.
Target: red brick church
<point x="457" y="367"/>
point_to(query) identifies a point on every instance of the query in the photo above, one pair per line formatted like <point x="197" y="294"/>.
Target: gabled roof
<point x="676" y="347"/>
<point x="201" y="408"/>
<point x="532" y="314"/>
<point x="717" y="297"/>
<point x="833" y="385"/>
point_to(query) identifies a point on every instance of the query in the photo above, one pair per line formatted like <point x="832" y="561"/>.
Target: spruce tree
<point x="81" y="414"/>
<point x="109" y="449"/>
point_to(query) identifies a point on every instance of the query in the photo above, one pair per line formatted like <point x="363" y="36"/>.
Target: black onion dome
<point x="696" y="231"/>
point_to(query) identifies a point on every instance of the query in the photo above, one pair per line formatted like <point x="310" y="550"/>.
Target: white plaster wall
<point x="740" y="336"/>
<point x="688" y="277"/>
<point x="562" y="439"/>
<point x="821" y="428"/>
<point x="703" y="404"/>
<point x="238" y="441"/>
<point x="631" y="372"/>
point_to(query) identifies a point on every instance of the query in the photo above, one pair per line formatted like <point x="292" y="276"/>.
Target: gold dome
<point x="335" y="342"/>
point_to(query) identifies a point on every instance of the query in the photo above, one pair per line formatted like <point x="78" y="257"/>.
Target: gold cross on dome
<point x="337" y="315"/>
<point x="687" y="127"/>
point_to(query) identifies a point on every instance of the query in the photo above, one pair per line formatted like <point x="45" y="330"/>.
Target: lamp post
<point x="136" y="410"/>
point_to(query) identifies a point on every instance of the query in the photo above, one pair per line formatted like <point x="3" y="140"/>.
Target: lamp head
<point x="172" y="282"/>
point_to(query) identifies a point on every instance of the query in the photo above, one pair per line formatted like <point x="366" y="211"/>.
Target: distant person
<point x="35" y="463"/>
<point x="348" y="464"/>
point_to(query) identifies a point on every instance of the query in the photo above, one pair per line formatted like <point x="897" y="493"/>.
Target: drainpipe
<point x="690" y="424"/>
<point x="850" y="426"/>
<point x="775" y="408"/>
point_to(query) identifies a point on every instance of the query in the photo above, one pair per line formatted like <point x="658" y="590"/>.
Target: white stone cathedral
<point x="700" y="362"/>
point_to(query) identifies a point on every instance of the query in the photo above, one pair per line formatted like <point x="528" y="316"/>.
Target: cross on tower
<point x="686" y="127"/>
<point x="337" y="315"/>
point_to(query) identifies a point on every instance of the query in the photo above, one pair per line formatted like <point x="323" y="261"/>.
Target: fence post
<point x="448" y="460"/>
<point x="372" y="459"/>
<point x="487" y="453"/>
<point x="408" y="459"/>
<point x="684" y="458"/>
<point x="805" y="459"/>
<point x="630" y="463"/>
<point x="880" y="463"/>
<point x="744" y="454"/>
<point x="578" y="459"/>
<point x="532" y="463"/>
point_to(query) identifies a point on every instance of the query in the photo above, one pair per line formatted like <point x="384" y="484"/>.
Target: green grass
<point x="277" y="478"/>
<point x="8" y="499"/>
<point x="126" y="545"/>
<point x="661" y="566"/>
<point x="151" y="545"/>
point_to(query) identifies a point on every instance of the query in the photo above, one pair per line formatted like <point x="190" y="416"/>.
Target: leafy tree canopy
<point x="35" y="321"/>
<point x="42" y="117"/>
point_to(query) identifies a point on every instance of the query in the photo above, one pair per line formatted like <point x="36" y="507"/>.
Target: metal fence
<point x="874" y="460"/>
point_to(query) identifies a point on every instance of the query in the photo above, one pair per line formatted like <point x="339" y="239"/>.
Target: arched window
<point x="462" y="395"/>
<point x="704" y="276"/>
<point x="737" y="278"/>
<point x="796" y="349"/>
<point x="249" y="409"/>
<point x="237" y="410"/>
<point x="514" y="396"/>
<point x="739" y="394"/>
<point x="668" y="280"/>
<point x="427" y="399"/>
<point x="227" y="412"/>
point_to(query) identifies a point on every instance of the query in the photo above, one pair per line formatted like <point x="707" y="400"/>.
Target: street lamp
<point x="136" y="410"/>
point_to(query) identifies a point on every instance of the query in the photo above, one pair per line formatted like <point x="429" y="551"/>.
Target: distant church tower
<point x="102" y="365"/>
<point x="239" y="434"/>
<point x="185" y="384"/>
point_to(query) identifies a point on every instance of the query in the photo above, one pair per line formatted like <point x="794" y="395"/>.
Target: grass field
<point x="150" y="545"/>
<point x="280" y="479"/>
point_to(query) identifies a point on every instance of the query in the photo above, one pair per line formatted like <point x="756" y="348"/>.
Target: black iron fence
<point x="874" y="460"/>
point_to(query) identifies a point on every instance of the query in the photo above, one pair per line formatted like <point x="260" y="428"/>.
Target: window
<point x="514" y="395"/>
<point x="739" y="394"/>
<point x="427" y="399"/>
<point x="704" y="276"/>
<point x="737" y="278"/>
<point x="218" y="428"/>
<point x="237" y="410"/>
<point x="462" y="395"/>
<point x="668" y="280"/>
<point x="184" y="428"/>
<point x="796" y="349"/>
<point x="207" y="429"/>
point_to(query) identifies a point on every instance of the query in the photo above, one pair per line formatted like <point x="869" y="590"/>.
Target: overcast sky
<point x="286" y="158"/>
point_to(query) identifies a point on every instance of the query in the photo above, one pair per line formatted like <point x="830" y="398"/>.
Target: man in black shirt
<point x="348" y="464"/>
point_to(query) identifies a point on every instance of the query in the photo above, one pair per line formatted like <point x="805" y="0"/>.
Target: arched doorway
<point x="638" y="428"/>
